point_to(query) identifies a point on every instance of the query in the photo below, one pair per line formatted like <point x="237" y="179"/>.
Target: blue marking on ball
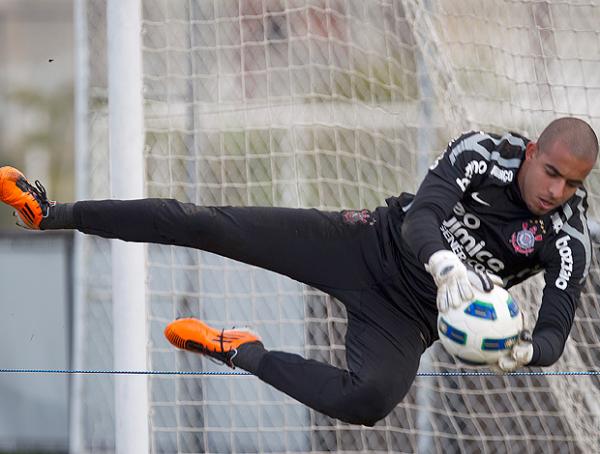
<point x="452" y="333"/>
<point x="498" y="344"/>
<point x="481" y="310"/>
<point x="512" y="307"/>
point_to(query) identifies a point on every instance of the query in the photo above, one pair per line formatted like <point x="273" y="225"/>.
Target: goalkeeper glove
<point x="455" y="280"/>
<point x="520" y="355"/>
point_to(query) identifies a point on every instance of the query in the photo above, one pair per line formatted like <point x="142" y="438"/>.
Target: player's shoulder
<point x="571" y="217"/>
<point x="506" y="150"/>
<point x="571" y="240"/>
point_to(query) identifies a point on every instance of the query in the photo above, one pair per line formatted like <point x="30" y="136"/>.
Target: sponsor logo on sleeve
<point x="504" y="175"/>
<point x="566" y="262"/>
<point x="473" y="167"/>
<point x="557" y="223"/>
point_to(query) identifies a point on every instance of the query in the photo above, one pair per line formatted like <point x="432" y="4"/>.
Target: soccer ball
<point x="481" y="331"/>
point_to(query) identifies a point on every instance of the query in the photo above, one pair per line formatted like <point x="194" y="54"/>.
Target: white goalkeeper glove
<point x="520" y="355"/>
<point x="455" y="280"/>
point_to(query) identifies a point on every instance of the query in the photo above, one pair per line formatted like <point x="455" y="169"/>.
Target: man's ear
<point x="531" y="150"/>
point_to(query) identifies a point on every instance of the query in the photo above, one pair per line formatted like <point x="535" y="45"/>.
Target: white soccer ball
<point x="480" y="331"/>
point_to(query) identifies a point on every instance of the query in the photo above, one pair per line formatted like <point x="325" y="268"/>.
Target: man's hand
<point x="519" y="356"/>
<point x="455" y="281"/>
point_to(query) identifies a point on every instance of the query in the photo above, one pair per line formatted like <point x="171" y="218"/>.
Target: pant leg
<point x="380" y="371"/>
<point x="327" y="250"/>
<point x="340" y="253"/>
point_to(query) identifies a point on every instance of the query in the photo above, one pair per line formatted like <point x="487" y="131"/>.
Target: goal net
<point x="332" y="104"/>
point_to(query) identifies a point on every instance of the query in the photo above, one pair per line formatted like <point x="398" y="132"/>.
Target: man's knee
<point x="179" y="221"/>
<point x="371" y="402"/>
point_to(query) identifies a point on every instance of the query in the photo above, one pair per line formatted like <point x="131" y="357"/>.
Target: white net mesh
<point x="332" y="104"/>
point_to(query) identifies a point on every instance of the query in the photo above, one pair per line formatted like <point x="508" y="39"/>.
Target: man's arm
<point x="555" y="319"/>
<point x="458" y="168"/>
<point x="568" y="260"/>
<point x="465" y="162"/>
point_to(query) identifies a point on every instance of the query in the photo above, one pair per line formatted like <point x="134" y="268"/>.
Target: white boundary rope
<point x="208" y="373"/>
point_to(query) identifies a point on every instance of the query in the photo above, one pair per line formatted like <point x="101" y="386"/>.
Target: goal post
<point x="127" y="177"/>
<point x="332" y="104"/>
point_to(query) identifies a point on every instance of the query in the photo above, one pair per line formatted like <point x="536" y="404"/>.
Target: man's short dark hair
<point x="576" y="134"/>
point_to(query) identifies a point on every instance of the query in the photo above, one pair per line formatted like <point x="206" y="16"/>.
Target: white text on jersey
<point x="502" y="174"/>
<point x="566" y="262"/>
<point x="464" y="245"/>
<point x="473" y="167"/>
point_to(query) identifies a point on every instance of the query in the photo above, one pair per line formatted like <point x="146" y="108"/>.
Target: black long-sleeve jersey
<point x="470" y="203"/>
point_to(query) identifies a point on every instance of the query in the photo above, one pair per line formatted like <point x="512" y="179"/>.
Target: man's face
<point x="550" y="177"/>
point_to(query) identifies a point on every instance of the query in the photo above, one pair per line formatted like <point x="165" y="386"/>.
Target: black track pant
<point x="347" y="254"/>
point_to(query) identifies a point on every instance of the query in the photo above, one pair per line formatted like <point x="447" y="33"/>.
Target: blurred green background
<point x="36" y="94"/>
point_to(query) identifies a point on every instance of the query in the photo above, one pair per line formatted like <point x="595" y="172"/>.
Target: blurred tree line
<point x="46" y="142"/>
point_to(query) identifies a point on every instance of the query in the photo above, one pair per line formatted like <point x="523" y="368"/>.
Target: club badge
<point x="357" y="217"/>
<point x="524" y="240"/>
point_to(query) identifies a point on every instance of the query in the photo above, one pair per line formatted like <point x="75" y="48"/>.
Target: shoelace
<point x="40" y="194"/>
<point x="227" y="361"/>
<point x="39" y="190"/>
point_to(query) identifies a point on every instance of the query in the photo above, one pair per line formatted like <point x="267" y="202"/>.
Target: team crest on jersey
<point x="524" y="240"/>
<point x="357" y="217"/>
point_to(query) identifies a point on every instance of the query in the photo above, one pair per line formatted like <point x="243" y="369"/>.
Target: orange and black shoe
<point x="30" y="201"/>
<point x="196" y="336"/>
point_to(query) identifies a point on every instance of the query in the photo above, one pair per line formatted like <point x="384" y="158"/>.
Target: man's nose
<point x="557" y="188"/>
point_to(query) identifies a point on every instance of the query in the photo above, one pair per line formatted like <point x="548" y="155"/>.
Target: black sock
<point x="249" y="356"/>
<point x="60" y="216"/>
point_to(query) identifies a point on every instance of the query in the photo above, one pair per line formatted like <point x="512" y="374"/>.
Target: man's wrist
<point x="536" y="352"/>
<point x="438" y="258"/>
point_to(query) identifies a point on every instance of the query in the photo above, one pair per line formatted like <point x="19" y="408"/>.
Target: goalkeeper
<point x="502" y="205"/>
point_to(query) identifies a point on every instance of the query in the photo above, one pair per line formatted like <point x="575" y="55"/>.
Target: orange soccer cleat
<point x="196" y="336"/>
<point x="30" y="201"/>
